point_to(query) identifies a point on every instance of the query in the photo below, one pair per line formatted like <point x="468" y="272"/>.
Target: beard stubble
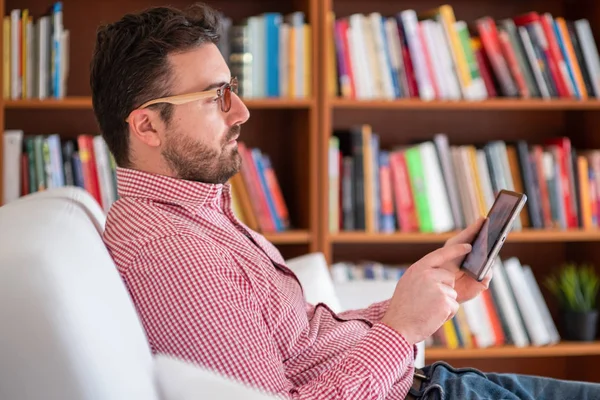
<point x="194" y="161"/>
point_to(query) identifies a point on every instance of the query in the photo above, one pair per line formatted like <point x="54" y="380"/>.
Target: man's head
<point x="159" y="53"/>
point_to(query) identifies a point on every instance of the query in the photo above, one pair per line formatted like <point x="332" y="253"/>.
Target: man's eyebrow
<point x="214" y="85"/>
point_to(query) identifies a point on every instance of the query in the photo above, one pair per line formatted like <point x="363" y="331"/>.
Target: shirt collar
<point x="165" y="189"/>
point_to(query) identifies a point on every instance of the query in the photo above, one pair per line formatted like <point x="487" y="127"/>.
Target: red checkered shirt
<point x="210" y="290"/>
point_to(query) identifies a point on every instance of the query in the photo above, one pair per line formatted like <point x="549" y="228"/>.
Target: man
<point x="210" y="290"/>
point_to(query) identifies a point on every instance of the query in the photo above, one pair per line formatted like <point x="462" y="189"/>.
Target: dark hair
<point x="129" y="64"/>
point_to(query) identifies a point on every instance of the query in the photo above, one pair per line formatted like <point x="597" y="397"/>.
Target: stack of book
<point x="35" y="54"/>
<point x="270" y="54"/>
<point x="435" y="187"/>
<point x="432" y="55"/>
<point x="33" y="163"/>
<point x="257" y="197"/>
<point x="512" y="312"/>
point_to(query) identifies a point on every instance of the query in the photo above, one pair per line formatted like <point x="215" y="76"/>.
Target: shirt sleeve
<point x="196" y="304"/>
<point x="374" y="313"/>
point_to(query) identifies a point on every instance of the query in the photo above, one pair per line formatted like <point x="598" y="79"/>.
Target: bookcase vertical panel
<point x="2" y="9"/>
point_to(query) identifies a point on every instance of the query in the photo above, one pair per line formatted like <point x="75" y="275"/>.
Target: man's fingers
<point x="468" y="234"/>
<point x="454" y="306"/>
<point x="444" y="254"/>
<point x="444" y="276"/>
<point x="450" y="292"/>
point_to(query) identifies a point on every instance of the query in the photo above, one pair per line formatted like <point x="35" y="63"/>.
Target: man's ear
<point x="145" y="126"/>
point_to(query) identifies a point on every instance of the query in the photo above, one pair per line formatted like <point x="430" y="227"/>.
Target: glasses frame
<point x="220" y="92"/>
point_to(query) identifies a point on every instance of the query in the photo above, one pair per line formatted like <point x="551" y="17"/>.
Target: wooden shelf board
<point x="289" y="237"/>
<point x="86" y="103"/>
<point x="563" y="349"/>
<point x="491" y="104"/>
<point x="514" y="237"/>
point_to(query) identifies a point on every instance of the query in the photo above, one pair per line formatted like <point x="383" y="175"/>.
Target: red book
<point x="537" y="156"/>
<point x="540" y="38"/>
<point x="492" y="313"/>
<point x="88" y="166"/>
<point x="24" y="174"/>
<point x="513" y="65"/>
<point x="341" y="27"/>
<point x="486" y="27"/>
<point x="257" y="196"/>
<point x="406" y="212"/>
<point x="409" y="70"/>
<point x="484" y="67"/>
<point x="557" y="56"/>
<point x="565" y="166"/>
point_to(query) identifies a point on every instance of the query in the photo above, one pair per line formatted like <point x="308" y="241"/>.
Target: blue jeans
<point x="446" y="382"/>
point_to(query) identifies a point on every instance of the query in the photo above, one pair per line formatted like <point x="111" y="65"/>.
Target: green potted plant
<point x="576" y="289"/>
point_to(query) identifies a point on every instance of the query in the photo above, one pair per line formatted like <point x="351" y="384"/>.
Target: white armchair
<point x="69" y="328"/>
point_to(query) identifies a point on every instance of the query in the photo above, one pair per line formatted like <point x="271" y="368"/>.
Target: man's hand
<point x="466" y="287"/>
<point x="424" y="297"/>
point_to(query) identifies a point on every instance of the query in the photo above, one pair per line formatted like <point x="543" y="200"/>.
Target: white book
<point x="371" y="57"/>
<point x="443" y="150"/>
<point x="590" y="52"/>
<point x="478" y="321"/>
<point x="395" y="54"/>
<point x="15" y="54"/>
<point x="284" y="59"/>
<point x="30" y="64"/>
<point x="533" y="319"/>
<point x="360" y="64"/>
<point x="542" y="307"/>
<point x="385" y="72"/>
<point x="411" y="30"/>
<point x="450" y="75"/>
<point x="439" y="205"/>
<point x="507" y="303"/>
<point x="11" y="165"/>
<point x="433" y="49"/>
<point x="537" y="72"/>
<point x="256" y="25"/>
<point x="43" y="57"/>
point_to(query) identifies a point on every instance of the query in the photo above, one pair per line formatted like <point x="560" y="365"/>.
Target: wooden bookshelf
<point x="498" y="104"/>
<point x="83" y="102"/>
<point x="276" y="124"/>
<point x="297" y="131"/>
<point x="563" y="349"/>
<point x="401" y="122"/>
<point x="289" y="237"/>
<point x="525" y="236"/>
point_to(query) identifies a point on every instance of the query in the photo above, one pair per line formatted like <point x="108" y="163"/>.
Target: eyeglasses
<point x="223" y="94"/>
